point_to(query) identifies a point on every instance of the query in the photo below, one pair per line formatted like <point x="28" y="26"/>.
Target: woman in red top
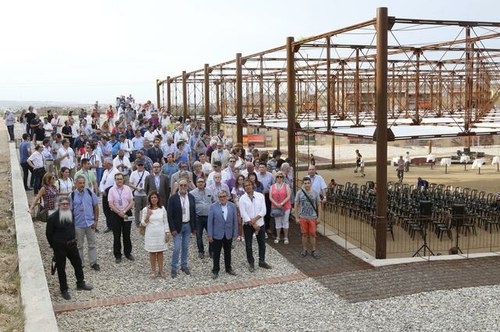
<point x="279" y="195"/>
<point x="110" y="114"/>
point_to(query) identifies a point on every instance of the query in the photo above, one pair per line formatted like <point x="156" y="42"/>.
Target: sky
<point x="83" y="51"/>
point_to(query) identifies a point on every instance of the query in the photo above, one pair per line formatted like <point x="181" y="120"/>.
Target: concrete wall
<point x="37" y="304"/>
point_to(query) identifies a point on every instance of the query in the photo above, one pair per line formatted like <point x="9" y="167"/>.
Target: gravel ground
<point x="133" y="278"/>
<point x="298" y="306"/>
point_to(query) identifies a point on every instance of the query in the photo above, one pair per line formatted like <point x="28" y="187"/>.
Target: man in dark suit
<point x="181" y="212"/>
<point x="222" y="228"/>
<point x="159" y="183"/>
<point x="60" y="233"/>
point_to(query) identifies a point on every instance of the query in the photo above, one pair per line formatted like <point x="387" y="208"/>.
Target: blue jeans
<point x="98" y="173"/>
<point x="181" y="241"/>
<point x="201" y="223"/>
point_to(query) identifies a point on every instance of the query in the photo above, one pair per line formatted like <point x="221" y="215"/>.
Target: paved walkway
<point x="168" y="295"/>
<point x="334" y="259"/>
<point x="356" y="281"/>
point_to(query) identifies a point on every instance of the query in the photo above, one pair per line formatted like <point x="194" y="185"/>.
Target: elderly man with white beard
<point x="60" y="234"/>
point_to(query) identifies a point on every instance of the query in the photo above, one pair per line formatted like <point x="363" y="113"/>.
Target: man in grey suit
<point x="159" y="183"/>
<point x="222" y="228"/>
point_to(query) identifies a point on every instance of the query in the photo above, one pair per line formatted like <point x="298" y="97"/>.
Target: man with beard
<point x="60" y="234"/>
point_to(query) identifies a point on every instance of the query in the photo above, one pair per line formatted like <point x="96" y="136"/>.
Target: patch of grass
<point x="16" y="321"/>
<point x="3" y="225"/>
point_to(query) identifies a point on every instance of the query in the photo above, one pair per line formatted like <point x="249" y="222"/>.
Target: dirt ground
<point x="488" y="180"/>
<point x="11" y="315"/>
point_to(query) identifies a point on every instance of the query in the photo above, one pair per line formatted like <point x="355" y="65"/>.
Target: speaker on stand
<point x="458" y="217"/>
<point x="425" y="217"/>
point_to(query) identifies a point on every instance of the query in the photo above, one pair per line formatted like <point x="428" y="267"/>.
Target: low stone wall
<point x="37" y="304"/>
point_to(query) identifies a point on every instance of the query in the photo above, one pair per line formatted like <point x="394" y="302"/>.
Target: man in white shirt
<point x="122" y="164"/>
<point x="47" y="127"/>
<point x="107" y="181"/>
<point x="36" y="162"/>
<point x="66" y="157"/>
<point x="165" y="134"/>
<point x="252" y="210"/>
<point x="136" y="182"/>
<point x="318" y="184"/>
<point x="138" y="140"/>
<point x="150" y="134"/>
<point x="180" y="134"/>
<point x="217" y="168"/>
<point x="57" y="123"/>
<point x="126" y="145"/>
<point x="206" y="167"/>
<point x="168" y="147"/>
<point x="217" y="186"/>
<point x="250" y="168"/>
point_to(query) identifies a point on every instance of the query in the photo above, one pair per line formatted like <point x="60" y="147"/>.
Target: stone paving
<point x="356" y="281"/>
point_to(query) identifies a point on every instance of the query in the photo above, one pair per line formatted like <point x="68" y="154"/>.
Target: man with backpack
<point x="85" y="208"/>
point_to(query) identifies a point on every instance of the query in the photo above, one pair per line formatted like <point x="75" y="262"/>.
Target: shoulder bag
<point x="310" y="201"/>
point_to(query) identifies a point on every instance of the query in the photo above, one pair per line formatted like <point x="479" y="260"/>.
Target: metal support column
<point x="169" y="96"/>
<point x="206" y="98"/>
<point x="290" y="103"/>
<point x="328" y="87"/>
<point x="184" y="95"/>
<point x="357" y="93"/>
<point x="239" y="100"/>
<point x="158" y="103"/>
<point x="382" y="26"/>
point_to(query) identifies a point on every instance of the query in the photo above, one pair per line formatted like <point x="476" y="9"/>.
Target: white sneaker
<point x="286" y="241"/>
<point x="277" y="241"/>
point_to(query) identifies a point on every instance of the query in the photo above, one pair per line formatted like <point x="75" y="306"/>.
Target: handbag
<point x="277" y="212"/>
<point x="42" y="213"/>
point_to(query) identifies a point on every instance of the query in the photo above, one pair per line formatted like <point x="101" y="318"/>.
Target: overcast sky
<point x="83" y="51"/>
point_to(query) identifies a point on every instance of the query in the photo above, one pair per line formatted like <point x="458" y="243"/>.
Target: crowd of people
<point x="168" y="177"/>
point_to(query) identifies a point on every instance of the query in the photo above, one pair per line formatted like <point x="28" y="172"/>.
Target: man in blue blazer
<point x="222" y="228"/>
<point x="181" y="213"/>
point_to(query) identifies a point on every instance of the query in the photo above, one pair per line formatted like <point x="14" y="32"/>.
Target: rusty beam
<point x="206" y="99"/>
<point x="291" y="107"/>
<point x="239" y="100"/>
<point x="381" y="134"/>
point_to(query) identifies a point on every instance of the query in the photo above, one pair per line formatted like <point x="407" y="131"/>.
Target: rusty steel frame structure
<point x="360" y="75"/>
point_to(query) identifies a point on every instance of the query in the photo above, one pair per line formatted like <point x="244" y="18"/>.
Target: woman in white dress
<point x="154" y="218"/>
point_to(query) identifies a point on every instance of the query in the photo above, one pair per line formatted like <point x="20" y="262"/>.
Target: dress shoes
<point x="130" y="257"/>
<point x="231" y="272"/>
<point x="264" y="265"/>
<point x="107" y="230"/>
<point x="65" y="295"/>
<point x="215" y="275"/>
<point x="251" y="268"/>
<point x="201" y="255"/>
<point x="118" y="260"/>
<point x="95" y="267"/>
<point x="84" y="286"/>
<point x="173" y="274"/>
<point x="186" y="270"/>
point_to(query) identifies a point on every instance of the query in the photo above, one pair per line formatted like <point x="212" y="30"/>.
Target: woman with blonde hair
<point x="156" y="236"/>
<point x="48" y="194"/>
<point x="280" y="194"/>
